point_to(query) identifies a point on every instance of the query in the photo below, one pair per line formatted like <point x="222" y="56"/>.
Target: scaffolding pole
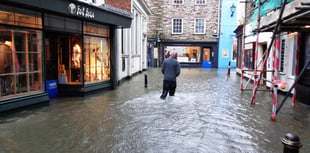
<point x="277" y="29"/>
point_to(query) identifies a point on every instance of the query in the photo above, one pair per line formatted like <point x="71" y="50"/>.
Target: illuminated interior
<point x="188" y="54"/>
<point x="20" y="52"/>
<point x="97" y="61"/>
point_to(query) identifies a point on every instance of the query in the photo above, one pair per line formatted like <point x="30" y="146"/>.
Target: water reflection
<point x="207" y="114"/>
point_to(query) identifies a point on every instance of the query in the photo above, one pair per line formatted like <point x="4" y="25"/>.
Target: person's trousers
<point x="168" y="87"/>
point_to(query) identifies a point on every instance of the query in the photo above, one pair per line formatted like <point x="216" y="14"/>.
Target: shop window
<point x="96" y="52"/>
<point x="20" y="62"/>
<point x="177" y="26"/>
<point x="248" y="59"/>
<point x="20" y="17"/>
<point x="199" y="26"/>
<point x="187" y="54"/>
<point x="96" y="29"/>
<point x="97" y="59"/>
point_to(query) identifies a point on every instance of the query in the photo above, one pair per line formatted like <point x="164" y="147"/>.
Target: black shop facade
<point x="56" y="48"/>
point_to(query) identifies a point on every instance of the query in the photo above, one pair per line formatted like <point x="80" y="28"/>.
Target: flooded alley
<point x="207" y="114"/>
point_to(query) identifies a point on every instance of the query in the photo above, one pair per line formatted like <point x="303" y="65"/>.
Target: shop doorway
<point x="63" y="58"/>
<point x="207" y="58"/>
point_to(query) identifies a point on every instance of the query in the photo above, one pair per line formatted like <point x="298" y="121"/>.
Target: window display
<point x="20" y="64"/>
<point x="188" y="54"/>
<point x="97" y="59"/>
<point x="69" y="60"/>
<point x="96" y="53"/>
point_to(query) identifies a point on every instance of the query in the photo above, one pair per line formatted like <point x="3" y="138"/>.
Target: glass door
<point x="206" y="60"/>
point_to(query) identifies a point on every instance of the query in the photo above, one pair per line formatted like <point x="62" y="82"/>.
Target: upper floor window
<point x="177" y="26"/>
<point x="199" y="26"/>
<point x="200" y="2"/>
<point x="282" y="55"/>
<point x="177" y="1"/>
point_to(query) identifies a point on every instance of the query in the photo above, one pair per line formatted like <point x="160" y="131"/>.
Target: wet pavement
<point x="207" y="114"/>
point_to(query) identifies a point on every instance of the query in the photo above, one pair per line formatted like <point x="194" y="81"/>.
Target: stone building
<point x="188" y="27"/>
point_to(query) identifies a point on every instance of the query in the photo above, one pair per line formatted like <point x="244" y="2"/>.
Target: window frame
<point x="26" y="73"/>
<point x="173" y="26"/>
<point x="196" y="2"/>
<point x="282" y="55"/>
<point x="174" y="2"/>
<point x="204" y="26"/>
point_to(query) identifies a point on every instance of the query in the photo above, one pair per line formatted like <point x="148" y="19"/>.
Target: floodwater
<point x="207" y="114"/>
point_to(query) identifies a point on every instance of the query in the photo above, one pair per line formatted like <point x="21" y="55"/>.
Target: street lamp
<point x="232" y="10"/>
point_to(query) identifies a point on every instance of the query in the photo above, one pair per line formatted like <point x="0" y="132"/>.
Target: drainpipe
<point x="115" y="58"/>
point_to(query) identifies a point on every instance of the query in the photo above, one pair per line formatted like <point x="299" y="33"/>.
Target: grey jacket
<point x="171" y="69"/>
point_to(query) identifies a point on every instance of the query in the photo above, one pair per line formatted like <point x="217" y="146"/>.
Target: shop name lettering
<point x="80" y="11"/>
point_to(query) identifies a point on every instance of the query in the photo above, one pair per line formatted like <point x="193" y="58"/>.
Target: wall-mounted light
<point x="232" y="10"/>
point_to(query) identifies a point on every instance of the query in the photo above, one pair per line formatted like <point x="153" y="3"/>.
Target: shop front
<point x="21" y="71"/>
<point x="193" y="55"/>
<point x="55" y="46"/>
<point x="77" y="56"/>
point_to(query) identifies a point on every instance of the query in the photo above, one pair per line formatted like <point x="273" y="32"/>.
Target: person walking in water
<point x="171" y="69"/>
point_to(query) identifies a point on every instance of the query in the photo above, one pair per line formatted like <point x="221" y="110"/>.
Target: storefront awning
<point x="104" y="14"/>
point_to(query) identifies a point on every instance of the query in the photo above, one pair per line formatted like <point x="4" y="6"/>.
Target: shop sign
<point x="80" y="11"/>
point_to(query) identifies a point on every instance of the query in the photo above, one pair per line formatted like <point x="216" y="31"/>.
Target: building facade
<point x="188" y="27"/>
<point x="227" y="40"/>
<point x="289" y="44"/>
<point x="132" y="48"/>
<point x="59" y="47"/>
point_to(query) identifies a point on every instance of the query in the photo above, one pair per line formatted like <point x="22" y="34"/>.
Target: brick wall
<point x="124" y="5"/>
<point x="164" y="11"/>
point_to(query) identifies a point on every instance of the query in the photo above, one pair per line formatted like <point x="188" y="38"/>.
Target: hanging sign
<point x="80" y="11"/>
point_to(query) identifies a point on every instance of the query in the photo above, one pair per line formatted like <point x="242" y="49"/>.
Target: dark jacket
<point x="171" y="69"/>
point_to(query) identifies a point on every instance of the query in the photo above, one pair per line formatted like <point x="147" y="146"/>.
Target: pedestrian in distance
<point x="171" y="69"/>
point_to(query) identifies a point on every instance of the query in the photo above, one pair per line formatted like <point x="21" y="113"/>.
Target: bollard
<point x="291" y="143"/>
<point x="228" y="71"/>
<point x="228" y="68"/>
<point x="145" y="80"/>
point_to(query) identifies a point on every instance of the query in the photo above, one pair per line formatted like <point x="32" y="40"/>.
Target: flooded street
<point x="207" y="114"/>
